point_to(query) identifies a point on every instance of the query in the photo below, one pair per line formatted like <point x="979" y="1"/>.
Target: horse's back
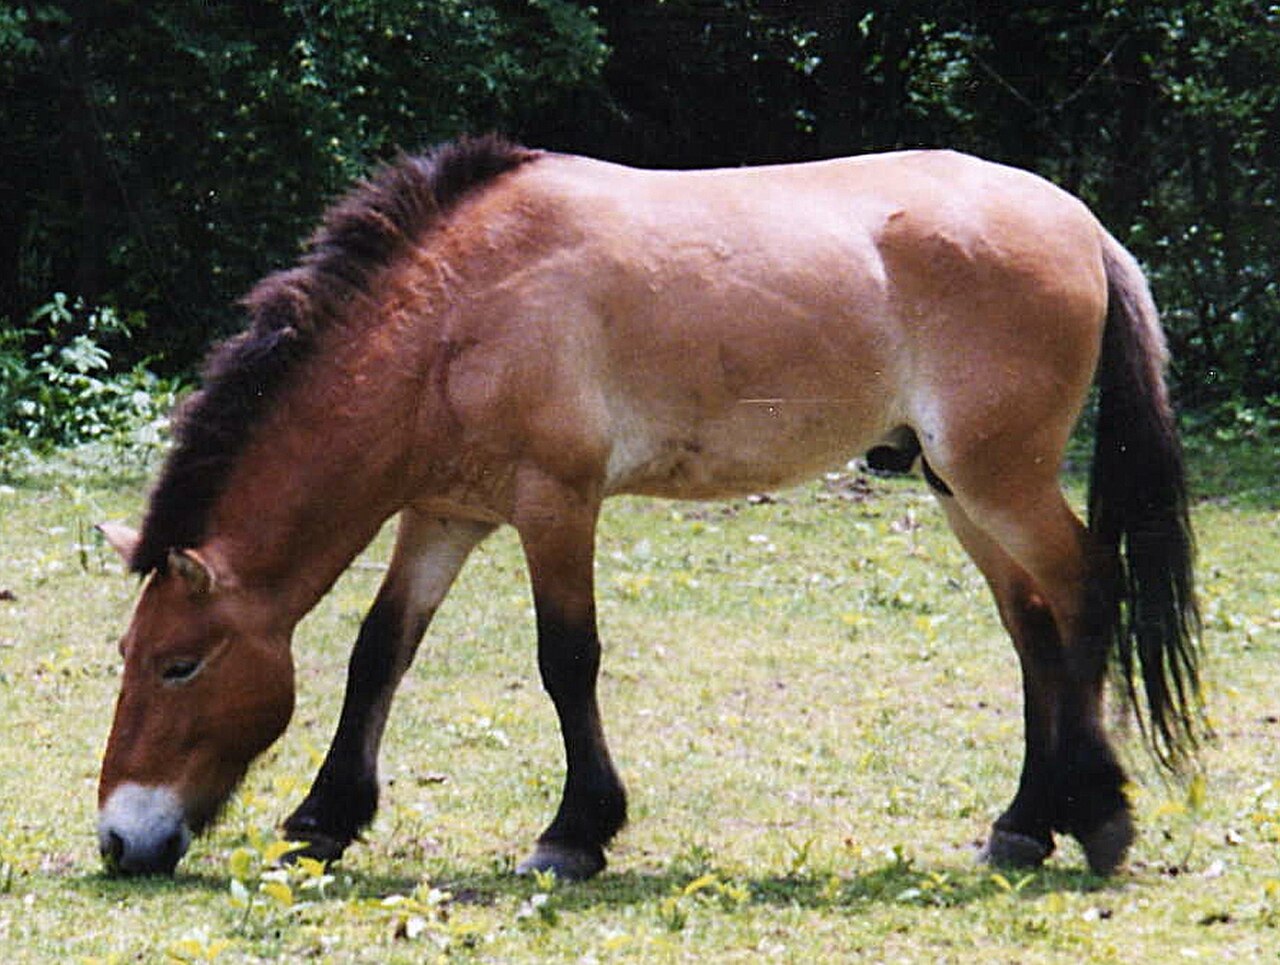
<point x="705" y="333"/>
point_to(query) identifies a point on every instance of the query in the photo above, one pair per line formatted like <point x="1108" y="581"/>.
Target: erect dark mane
<point x="362" y="234"/>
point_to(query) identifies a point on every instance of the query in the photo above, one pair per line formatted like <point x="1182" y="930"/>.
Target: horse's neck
<point x="322" y="476"/>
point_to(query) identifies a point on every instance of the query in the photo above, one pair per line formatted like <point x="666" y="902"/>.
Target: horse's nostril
<point x="171" y="852"/>
<point x="112" y="849"/>
<point x="162" y="858"/>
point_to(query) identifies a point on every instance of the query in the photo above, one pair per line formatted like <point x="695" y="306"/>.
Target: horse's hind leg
<point x="557" y="528"/>
<point x="1034" y="554"/>
<point x="428" y="555"/>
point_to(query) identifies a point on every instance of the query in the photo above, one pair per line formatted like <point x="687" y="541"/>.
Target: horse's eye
<point x="181" y="670"/>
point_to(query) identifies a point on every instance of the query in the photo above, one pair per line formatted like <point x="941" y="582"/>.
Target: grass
<point x="811" y="702"/>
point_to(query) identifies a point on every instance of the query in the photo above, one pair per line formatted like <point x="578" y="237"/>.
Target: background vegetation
<point x="157" y="158"/>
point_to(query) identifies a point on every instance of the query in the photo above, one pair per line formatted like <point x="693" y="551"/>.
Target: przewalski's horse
<point x="490" y="334"/>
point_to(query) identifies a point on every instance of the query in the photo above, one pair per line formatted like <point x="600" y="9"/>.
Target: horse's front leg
<point x="428" y="555"/>
<point x="557" y="529"/>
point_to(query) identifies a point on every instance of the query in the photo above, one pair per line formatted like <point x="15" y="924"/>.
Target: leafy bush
<point x="58" y="389"/>
<point x="197" y="142"/>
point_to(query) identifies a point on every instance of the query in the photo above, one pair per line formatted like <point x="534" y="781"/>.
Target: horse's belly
<point x="765" y="444"/>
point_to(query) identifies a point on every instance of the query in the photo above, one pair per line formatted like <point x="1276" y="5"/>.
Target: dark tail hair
<point x="1138" y="517"/>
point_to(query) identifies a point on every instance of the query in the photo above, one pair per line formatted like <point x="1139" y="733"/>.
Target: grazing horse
<point x="492" y="335"/>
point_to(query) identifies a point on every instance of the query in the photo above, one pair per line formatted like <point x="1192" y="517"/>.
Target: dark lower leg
<point x="1092" y="805"/>
<point x="593" y="807"/>
<point x="1079" y="790"/>
<point x="1071" y="780"/>
<point x="1023" y="834"/>
<point x="1052" y="593"/>
<point x="429" y="554"/>
<point x="344" y="797"/>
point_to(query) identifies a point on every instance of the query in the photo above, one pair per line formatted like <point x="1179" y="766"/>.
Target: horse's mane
<point x="362" y="234"/>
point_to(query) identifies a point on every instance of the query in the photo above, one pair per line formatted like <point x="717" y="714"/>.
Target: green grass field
<point x="810" y="699"/>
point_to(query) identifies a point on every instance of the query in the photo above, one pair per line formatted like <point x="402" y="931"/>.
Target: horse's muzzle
<point x="142" y="830"/>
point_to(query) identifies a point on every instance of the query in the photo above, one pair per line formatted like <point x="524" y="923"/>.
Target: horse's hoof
<point x="1106" y="845"/>
<point x="1009" y="849"/>
<point x="315" y="844"/>
<point x="567" y="862"/>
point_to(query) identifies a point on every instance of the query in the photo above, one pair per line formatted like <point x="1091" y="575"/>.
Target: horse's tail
<point x="1139" y="521"/>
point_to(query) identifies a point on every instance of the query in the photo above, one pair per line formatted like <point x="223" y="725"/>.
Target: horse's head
<point x="207" y="686"/>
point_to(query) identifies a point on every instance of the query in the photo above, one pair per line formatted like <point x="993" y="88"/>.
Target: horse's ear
<point x="121" y="538"/>
<point x="194" y="571"/>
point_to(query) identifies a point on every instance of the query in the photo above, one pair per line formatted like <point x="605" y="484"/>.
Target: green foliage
<point x="199" y="142"/>
<point x="58" y="388"/>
